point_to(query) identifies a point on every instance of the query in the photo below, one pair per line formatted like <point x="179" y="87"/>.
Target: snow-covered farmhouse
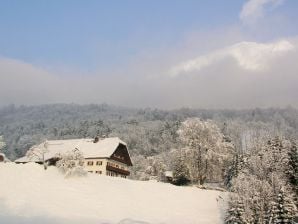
<point x="106" y="156"/>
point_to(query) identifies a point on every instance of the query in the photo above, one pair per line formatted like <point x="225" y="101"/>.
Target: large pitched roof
<point x="104" y="148"/>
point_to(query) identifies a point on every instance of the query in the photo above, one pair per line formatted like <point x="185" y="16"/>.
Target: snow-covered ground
<point x="28" y="194"/>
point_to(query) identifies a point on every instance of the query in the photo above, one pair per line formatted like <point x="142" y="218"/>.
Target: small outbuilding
<point x="168" y="176"/>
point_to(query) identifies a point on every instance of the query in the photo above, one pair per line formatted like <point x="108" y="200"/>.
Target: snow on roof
<point x="104" y="148"/>
<point x="168" y="173"/>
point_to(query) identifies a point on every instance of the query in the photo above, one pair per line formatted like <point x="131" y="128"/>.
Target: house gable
<point x="121" y="155"/>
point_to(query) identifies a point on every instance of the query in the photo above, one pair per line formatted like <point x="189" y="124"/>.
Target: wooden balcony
<point x="117" y="170"/>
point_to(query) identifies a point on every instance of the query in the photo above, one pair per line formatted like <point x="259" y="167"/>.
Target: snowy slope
<point x="28" y="194"/>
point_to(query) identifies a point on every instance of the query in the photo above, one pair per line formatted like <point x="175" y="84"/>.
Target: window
<point x="112" y="174"/>
<point x="110" y="164"/>
<point x="99" y="172"/>
<point x="90" y="171"/>
<point x="98" y="163"/>
<point x="90" y="163"/>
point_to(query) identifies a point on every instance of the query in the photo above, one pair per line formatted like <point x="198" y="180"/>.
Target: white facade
<point x="99" y="166"/>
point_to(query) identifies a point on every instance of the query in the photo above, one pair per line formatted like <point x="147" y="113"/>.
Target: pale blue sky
<point x="91" y="34"/>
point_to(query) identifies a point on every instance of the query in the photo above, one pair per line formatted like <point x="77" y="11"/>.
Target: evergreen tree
<point x="269" y="170"/>
<point x="235" y="212"/>
<point x="293" y="170"/>
<point x="285" y="209"/>
<point x="181" y="174"/>
<point x="272" y="213"/>
<point x="234" y="170"/>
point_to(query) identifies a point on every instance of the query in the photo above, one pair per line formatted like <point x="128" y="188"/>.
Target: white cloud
<point x="252" y="10"/>
<point x="250" y="56"/>
<point x="232" y="80"/>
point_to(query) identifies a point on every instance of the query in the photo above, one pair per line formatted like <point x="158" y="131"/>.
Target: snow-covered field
<point x="28" y="194"/>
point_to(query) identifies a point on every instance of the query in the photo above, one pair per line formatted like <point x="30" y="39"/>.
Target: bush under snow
<point x="71" y="163"/>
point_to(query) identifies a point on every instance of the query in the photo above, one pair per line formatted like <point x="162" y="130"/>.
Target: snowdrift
<point x="29" y="194"/>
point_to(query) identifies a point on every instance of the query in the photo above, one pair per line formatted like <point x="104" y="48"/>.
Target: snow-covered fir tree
<point x="181" y="174"/>
<point x="260" y="180"/>
<point x="235" y="169"/>
<point x="292" y="170"/>
<point x="284" y="209"/>
<point x="236" y="212"/>
<point x="272" y="212"/>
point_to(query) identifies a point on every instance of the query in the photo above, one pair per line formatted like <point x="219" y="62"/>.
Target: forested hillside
<point x="147" y="131"/>
<point x="151" y="134"/>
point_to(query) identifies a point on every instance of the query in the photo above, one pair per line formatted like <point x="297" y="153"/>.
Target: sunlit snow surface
<point x="28" y="194"/>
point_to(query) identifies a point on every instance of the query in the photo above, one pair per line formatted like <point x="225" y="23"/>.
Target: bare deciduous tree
<point x="71" y="163"/>
<point x="205" y="143"/>
<point x="38" y="153"/>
